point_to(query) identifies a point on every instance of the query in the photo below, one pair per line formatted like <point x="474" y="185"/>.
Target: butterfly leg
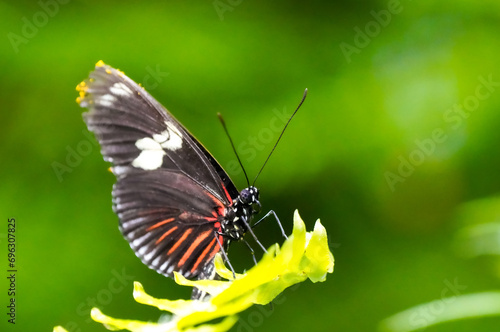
<point x="253" y="235"/>
<point x="251" y="250"/>
<point x="226" y="259"/>
<point x="277" y="220"/>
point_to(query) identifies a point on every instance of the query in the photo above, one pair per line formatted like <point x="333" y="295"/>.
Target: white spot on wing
<point x="174" y="130"/>
<point x="156" y="261"/>
<point x="148" y="144"/>
<point x="142" y="250"/>
<point x="105" y="103"/>
<point x="160" y="138"/>
<point x="150" y="255"/>
<point x="139" y="241"/>
<point x="149" y="160"/>
<point x="151" y="156"/>
<point x="174" y="140"/>
<point x="120" y="89"/>
<point x="152" y="149"/>
<point x="118" y="170"/>
<point x="108" y="97"/>
<point x="163" y="266"/>
<point x="106" y="100"/>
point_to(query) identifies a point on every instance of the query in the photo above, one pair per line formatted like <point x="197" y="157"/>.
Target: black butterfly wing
<point x="170" y="193"/>
<point x="164" y="217"/>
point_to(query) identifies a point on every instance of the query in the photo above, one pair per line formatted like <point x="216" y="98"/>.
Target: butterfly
<point x="176" y="205"/>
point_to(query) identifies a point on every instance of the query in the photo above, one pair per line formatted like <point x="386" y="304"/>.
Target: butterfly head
<point x="237" y="220"/>
<point x="249" y="197"/>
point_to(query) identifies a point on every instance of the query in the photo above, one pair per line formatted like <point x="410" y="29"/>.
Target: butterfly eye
<point x="246" y="196"/>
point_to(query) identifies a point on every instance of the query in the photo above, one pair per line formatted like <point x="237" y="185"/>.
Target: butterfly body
<point x="177" y="206"/>
<point x="236" y="222"/>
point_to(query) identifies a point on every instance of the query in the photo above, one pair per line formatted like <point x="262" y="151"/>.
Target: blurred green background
<point x="396" y="148"/>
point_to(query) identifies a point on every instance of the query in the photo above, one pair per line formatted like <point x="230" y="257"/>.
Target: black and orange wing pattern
<point x="171" y="194"/>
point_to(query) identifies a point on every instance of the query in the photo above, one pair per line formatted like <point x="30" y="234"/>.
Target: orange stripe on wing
<point x="216" y="200"/>
<point x="193" y="246"/>
<point x="158" y="224"/>
<point x="166" y="234"/>
<point x="203" y="254"/>
<point x="227" y="194"/>
<point x="215" y="249"/>
<point x="179" y="242"/>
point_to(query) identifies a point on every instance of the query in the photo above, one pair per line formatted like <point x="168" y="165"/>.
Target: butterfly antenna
<point x="232" y="145"/>
<point x="282" y="132"/>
